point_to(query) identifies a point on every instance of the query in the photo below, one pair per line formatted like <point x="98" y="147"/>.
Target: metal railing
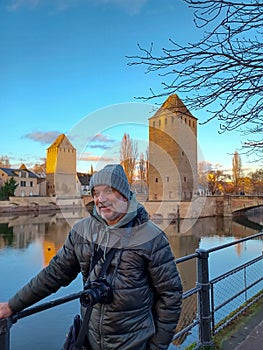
<point x="218" y="301"/>
<point x="206" y="309"/>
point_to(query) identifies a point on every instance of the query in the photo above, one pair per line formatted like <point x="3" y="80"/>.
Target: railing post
<point x="5" y="325"/>
<point x="205" y="333"/>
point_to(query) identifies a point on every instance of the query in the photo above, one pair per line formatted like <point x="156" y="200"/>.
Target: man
<point x="147" y="290"/>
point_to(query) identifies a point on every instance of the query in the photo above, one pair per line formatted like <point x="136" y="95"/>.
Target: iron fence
<point x="207" y="308"/>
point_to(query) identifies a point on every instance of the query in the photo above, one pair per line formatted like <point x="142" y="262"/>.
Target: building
<point x="27" y="181"/>
<point x="61" y="168"/>
<point x="172" y="152"/>
<point x="83" y="180"/>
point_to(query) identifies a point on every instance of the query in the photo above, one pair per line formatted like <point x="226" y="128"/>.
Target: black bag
<point x="72" y="334"/>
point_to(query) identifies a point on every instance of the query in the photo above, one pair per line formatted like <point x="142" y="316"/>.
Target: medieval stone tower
<point x="61" y="168"/>
<point x="172" y="152"/>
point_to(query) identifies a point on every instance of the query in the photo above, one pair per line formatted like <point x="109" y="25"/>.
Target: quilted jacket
<point x="147" y="290"/>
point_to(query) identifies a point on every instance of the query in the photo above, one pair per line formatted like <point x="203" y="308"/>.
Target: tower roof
<point x="61" y="140"/>
<point x="173" y="104"/>
<point x="23" y="167"/>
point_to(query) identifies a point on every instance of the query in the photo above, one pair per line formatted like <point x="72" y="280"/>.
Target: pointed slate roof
<point x="61" y="139"/>
<point x="173" y="104"/>
<point x="15" y="172"/>
<point x="84" y="179"/>
<point x="9" y="171"/>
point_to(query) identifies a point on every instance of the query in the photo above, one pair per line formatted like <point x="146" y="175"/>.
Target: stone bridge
<point x="238" y="204"/>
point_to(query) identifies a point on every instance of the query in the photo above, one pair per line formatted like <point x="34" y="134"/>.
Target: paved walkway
<point x="254" y="341"/>
<point x="248" y="335"/>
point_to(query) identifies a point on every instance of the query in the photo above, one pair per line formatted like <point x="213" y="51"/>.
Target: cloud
<point x="100" y="141"/>
<point x="103" y="147"/>
<point x="89" y="157"/>
<point x="129" y="6"/>
<point x="102" y="138"/>
<point x="44" y="138"/>
<point x="17" y="4"/>
<point x="56" y="4"/>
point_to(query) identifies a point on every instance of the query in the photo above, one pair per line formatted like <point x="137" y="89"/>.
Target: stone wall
<point x="26" y="204"/>
<point x="198" y="207"/>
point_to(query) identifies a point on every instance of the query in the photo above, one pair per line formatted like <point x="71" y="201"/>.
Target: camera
<point x="98" y="291"/>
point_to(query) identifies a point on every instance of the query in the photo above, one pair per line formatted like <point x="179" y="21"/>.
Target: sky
<point x="64" y="68"/>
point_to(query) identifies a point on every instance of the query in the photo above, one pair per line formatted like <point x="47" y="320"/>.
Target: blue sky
<point x="63" y="62"/>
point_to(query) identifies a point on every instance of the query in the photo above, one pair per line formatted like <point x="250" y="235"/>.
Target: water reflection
<point x="19" y="231"/>
<point x="28" y="242"/>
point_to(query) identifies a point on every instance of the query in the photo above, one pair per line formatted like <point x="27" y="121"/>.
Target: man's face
<point x="111" y="205"/>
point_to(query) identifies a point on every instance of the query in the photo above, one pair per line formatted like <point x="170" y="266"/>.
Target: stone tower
<point x="61" y="168"/>
<point x="172" y="152"/>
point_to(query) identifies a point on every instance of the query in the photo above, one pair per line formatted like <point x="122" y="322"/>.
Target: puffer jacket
<point x="147" y="290"/>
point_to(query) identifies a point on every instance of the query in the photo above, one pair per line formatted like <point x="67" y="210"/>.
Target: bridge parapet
<point x="234" y="204"/>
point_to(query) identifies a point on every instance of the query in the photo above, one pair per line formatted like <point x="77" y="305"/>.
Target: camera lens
<point x="86" y="299"/>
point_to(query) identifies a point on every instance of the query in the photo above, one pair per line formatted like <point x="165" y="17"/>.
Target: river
<point x="28" y="242"/>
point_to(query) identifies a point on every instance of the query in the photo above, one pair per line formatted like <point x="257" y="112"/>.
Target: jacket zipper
<point x="101" y="326"/>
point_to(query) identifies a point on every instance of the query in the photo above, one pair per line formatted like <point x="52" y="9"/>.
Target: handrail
<point x="235" y="242"/>
<point x="47" y="305"/>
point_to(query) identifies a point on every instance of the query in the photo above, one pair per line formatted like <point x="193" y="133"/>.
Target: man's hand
<point x="5" y="310"/>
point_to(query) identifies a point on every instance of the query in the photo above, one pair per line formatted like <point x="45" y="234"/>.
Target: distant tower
<point x="61" y="168"/>
<point x="172" y="152"/>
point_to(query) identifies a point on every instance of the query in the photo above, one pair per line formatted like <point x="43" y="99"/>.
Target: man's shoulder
<point x="83" y="224"/>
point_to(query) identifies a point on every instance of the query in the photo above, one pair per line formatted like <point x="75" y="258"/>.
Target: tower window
<point x="156" y="180"/>
<point x="159" y="122"/>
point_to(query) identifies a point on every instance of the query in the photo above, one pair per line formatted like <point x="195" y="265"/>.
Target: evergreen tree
<point x="8" y="189"/>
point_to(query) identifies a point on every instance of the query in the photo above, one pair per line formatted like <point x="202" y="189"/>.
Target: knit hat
<point x="114" y="176"/>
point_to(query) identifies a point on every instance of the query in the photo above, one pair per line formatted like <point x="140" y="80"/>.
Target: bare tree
<point x="142" y="169"/>
<point x="257" y="181"/>
<point x="221" y="72"/>
<point x="147" y="165"/>
<point x="128" y="156"/>
<point x="214" y="181"/>
<point x="4" y="162"/>
<point x="143" y="165"/>
<point x="236" y="171"/>
<point x="203" y="170"/>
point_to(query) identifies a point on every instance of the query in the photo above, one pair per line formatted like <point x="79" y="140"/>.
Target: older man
<point x="142" y="274"/>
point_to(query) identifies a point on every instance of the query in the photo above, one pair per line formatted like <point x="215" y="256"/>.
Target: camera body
<point x="98" y="291"/>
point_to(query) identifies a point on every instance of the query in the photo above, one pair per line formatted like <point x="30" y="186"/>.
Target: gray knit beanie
<point x="114" y="176"/>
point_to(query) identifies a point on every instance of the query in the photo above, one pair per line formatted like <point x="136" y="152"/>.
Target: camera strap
<point x="108" y="258"/>
<point x="84" y="326"/>
<point x="98" y="255"/>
